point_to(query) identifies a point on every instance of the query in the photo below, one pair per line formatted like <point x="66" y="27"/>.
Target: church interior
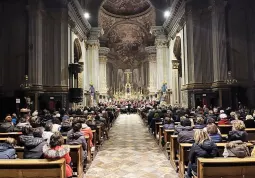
<point x="126" y="69"/>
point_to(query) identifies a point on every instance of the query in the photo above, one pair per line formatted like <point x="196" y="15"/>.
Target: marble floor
<point x="130" y="153"/>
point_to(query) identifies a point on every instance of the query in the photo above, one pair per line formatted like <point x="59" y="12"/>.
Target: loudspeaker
<point x="75" y="95"/>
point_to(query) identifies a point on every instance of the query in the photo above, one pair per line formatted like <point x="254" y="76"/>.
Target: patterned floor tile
<point x="130" y="152"/>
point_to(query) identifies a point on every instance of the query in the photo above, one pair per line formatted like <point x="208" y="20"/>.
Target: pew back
<point x="31" y="168"/>
<point x="226" y="168"/>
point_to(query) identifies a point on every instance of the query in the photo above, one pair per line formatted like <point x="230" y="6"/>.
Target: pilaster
<point x="151" y="50"/>
<point x="218" y="37"/>
<point x="103" y="52"/>
<point x="35" y="43"/>
<point x="161" y="43"/>
<point x="93" y="56"/>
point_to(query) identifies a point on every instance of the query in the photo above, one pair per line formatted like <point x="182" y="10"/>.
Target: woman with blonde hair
<point x="238" y="132"/>
<point x="204" y="148"/>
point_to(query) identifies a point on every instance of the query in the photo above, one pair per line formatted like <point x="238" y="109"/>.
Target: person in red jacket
<point x="223" y="119"/>
<point x="56" y="150"/>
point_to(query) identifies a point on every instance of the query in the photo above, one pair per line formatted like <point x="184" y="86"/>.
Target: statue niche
<point x="178" y="53"/>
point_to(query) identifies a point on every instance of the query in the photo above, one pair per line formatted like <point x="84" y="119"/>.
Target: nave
<point x="130" y="153"/>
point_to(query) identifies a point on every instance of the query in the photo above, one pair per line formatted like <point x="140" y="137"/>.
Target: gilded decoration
<point x="175" y="64"/>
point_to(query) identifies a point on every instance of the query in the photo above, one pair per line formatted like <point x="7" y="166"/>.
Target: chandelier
<point x="26" y="85"/>
<point x="230" y="80"/>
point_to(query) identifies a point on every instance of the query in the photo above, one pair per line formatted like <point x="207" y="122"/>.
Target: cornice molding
<point x="81" y="25"/>
<point x="177" y="19"/>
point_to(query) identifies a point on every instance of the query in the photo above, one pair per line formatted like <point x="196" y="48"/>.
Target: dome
<point x="126" y="7"/>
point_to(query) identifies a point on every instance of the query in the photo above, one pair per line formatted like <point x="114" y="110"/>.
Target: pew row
<point x="184" y="150"/>
<point x="226" y="168"/>
<point x="76" y="153"/>
<point x="31" y="168"/>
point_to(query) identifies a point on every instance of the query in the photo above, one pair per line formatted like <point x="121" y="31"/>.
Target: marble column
<point x="93" y="57"/>
<point x="35" y="44"/>
<point x="151" y="50"/>
<point x="103" y="51"/>
<point x="161" y="43"/>
<point x="175" y="83"/>
<point x="218" y="38"/>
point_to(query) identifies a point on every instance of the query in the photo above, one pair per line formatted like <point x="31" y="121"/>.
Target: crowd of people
<point x="42" y="132"/>
<point x="200" y="127"/>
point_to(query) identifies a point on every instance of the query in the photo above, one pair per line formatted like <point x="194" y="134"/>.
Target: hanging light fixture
<point x="230" y="80"/>
<point x="26" y="85"/>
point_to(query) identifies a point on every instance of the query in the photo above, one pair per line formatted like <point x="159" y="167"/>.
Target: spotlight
<point x="166" y="14"/>
<point x="86" y="15"/>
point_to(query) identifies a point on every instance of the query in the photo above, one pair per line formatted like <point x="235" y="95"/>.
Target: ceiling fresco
<point x="127" y="42"/>
<point x="126" y="7"/>
<point x="127" y="36"/>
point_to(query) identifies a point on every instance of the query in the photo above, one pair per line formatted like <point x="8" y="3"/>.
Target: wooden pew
<point x="184" y="150"/>
<point x="224" y="129"/>
<point x="226" y="168"/>
<point x="76" y="153"/>
<point x="167" y="135"/>
<point x="157" y="124"/>
<point x="160" y="134"/>
<point x="31" y="168"/>
<point x="89" y="157"/>
<point x="251" y="133"/>
<point x="173" y="150"/>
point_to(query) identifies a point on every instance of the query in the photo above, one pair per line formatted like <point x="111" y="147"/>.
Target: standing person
<point x="56" y="150"/>
<point x="204" y="148"/>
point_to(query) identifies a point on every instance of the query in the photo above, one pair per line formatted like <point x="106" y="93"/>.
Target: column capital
<point x="175" y="64"/>
<point x="95" y="33"/>
<point x="157" y="31"/>
<point x="151" y="50"/>
<point x="103" y="51"/>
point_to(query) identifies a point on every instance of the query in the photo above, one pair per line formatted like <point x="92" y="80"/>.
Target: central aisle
<point x="130" y="153"/>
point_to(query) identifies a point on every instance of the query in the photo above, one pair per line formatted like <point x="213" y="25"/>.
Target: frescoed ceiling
<point x="126" y="7"/>
<point x="127" y="29"/>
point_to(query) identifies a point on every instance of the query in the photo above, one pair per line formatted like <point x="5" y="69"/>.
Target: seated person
<point x="86" y="130"/>
<point x="212" y="130"/>
<point x="169" y="124"/>
<point x="47" y="132"/>
<point x="66" y="126"/>
<point x="236" y="149"/>
<point x="14" y="119"/>
<point x="33" y="143"/>
<point x="249" y="122"/>
<point x="211" y="121"/>
<point x="186" y="135"/>
<point x="35" y="122"/>
<point x="7" y="150"/>
<point x="203" y="147"/>
<point x="7" y="126"/>
<point x="23" y="122"/>
<point x="56" y="125"/>
<point x="76" y="137"/>
<point x="155" y="119"/>
<point x="223" y="119"/>
<point x="238" y="132"/>
<point x="56" y="150"/>
<point x="199" y="123"/>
